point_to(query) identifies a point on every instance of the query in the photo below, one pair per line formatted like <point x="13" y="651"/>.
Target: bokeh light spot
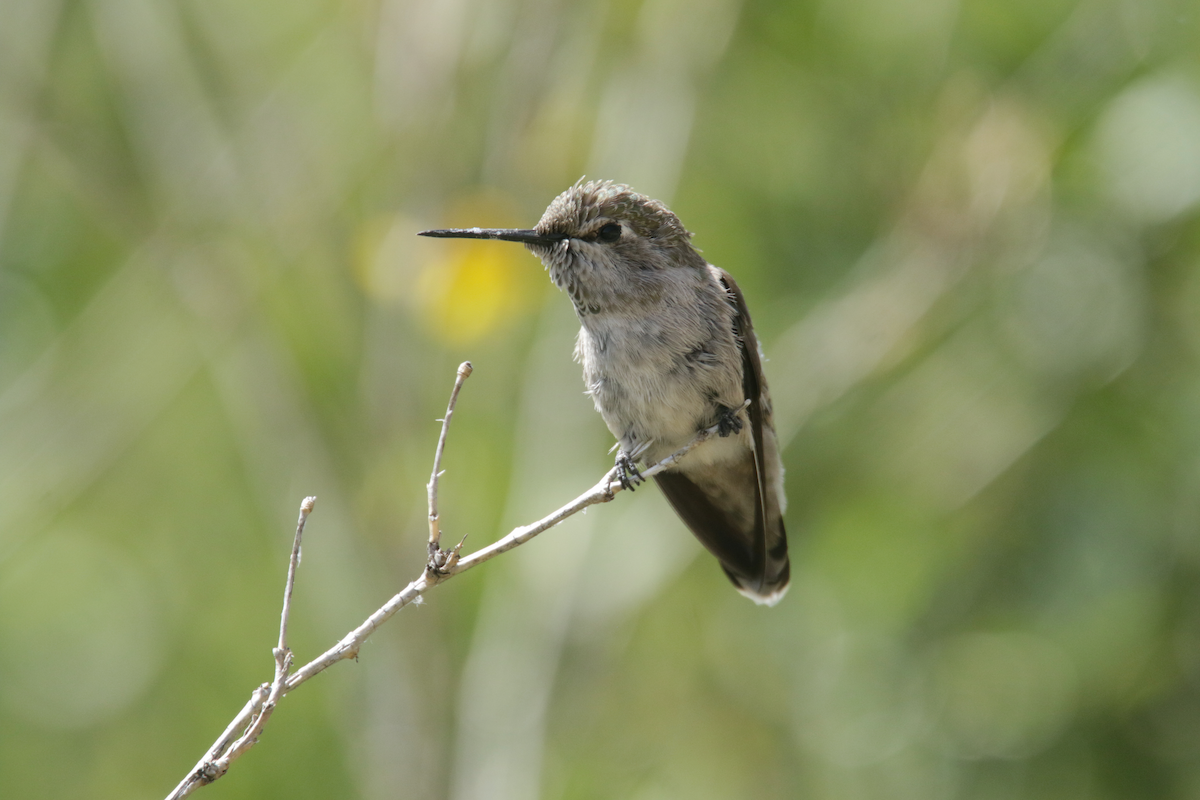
<point x="461" y="289"/>
<point x="1148" y="144"/>
<point x="1003" y="695"/>
<point x="471" y="292"/>
<point x="857" y="700"/>
<point x="78" y="639"/>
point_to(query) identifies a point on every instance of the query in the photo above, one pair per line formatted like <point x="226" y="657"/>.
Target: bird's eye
<point x="609" y="233"/>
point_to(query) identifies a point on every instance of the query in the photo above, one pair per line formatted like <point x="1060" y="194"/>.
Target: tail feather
<point x="752" y="552"/>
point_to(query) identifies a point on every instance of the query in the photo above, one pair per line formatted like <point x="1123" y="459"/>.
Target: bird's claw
<point x="627" y="473"/>
<point x="729" y="422"/>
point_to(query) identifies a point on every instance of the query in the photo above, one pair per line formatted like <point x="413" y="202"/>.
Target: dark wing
<point x="752" y="550"/>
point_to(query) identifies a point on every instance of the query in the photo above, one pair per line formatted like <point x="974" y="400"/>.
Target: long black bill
<point x="507" y="234"/>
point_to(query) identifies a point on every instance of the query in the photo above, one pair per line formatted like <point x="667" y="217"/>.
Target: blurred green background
<point x="969" y="234"/>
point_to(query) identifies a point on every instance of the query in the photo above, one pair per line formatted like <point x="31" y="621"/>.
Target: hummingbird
<point x="668" y="350"/>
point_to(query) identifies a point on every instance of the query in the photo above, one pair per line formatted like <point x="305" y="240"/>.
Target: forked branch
<point x="243" y="731"/>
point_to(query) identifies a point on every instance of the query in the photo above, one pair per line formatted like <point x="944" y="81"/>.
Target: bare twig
<point x="204" y="771"/>
<point x="254" y="715"/>
<point x="435" y="533"/>
<point x="305" y="509"/>
<point x="442" y="566"/>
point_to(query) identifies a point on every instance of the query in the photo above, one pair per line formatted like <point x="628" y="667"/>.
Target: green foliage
<point x="970" y="235"/>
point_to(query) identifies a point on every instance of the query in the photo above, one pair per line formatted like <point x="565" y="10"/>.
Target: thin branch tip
<point x="306" y="506"/>
<point x="435" y="533"/>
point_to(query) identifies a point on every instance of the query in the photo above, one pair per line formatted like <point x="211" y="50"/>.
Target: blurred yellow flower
<point x="474" y="288"/>
<point x="463" y="290"/>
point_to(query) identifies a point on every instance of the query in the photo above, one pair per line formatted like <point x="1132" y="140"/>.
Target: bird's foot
<point x="729" y="421"/>
<point x="627" y="472"/>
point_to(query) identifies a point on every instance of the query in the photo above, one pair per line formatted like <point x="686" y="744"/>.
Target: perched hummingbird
<point x="668" y="350"/>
